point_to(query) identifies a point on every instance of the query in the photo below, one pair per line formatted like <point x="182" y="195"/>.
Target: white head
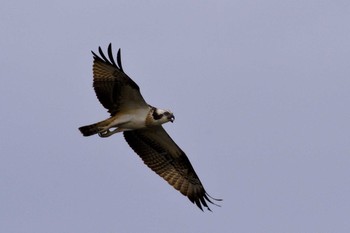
<point x="161" y="116"/>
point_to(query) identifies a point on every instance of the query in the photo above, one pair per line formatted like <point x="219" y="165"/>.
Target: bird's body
<point x="141" y="125"/>
<point x="130" y="119"/>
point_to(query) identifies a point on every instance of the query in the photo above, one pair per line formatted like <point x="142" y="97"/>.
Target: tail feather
<point x="89" y="130"/>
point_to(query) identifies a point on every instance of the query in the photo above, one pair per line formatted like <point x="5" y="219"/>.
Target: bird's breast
<point x="133" y="119"/>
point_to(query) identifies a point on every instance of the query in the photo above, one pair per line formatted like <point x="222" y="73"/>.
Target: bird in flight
<point x="141" y="125"/>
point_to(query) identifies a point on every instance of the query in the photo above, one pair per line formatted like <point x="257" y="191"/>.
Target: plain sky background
<point x="261" y="95"/>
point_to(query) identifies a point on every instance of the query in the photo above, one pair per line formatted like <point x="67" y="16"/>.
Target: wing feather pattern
<point x="114" y="89"/>
<point x="160" y="153"/>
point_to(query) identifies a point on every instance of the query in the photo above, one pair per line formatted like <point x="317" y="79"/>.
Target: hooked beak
<point x="171" y="118"/>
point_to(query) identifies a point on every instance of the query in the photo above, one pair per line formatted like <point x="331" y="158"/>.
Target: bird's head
<point x="162" y="116"/>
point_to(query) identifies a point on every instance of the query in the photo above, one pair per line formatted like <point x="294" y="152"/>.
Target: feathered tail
<point x="89" y="130"/>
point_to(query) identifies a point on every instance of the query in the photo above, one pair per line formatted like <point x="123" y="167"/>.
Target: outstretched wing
<point x="114" y="89"/>
<point x="160" y="153"/>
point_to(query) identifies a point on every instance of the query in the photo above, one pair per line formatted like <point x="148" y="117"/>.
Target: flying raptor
<point x="141" y="125"/>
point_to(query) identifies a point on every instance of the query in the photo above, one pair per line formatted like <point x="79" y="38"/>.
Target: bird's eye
<point x="157" y="116"/>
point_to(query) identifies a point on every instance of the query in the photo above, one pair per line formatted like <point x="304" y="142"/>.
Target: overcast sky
<point x="261" y="95"/>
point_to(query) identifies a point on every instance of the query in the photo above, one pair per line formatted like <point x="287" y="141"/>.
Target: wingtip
<point x="119" y="60"/>
<point x="203" y="201"/>
<point x="110" y="54"/>
<point x="207" y="197"/>
<point x="110" y="60"/>
<point x="94" y="54"/>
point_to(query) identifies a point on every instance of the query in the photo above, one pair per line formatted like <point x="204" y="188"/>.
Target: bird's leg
<point x="105" y="133"/>
<point x="108" y="133"/>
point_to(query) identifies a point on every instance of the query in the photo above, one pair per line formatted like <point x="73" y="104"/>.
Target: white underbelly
<point x="131" y="120"/>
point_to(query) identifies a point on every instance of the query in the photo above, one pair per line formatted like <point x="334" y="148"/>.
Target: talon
<point x="108" y="133"/>
<point x="105" y="133"/>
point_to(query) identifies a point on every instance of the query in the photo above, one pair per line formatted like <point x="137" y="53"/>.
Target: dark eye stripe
<point x="156" y="116"/>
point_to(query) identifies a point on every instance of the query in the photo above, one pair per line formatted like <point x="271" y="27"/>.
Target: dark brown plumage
<point x="121" y="96"/>
<point x="160" y="153"/>
<point x="114" y="89"/>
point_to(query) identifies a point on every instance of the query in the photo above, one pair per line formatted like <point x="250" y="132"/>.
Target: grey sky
<point x="260" y="91"/>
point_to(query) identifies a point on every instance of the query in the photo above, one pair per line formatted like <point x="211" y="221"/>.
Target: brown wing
<point x="160" y="153"/>
<point x="114" y="89"/>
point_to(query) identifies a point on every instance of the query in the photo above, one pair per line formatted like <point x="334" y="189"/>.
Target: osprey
<point x="141" y="125"/>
